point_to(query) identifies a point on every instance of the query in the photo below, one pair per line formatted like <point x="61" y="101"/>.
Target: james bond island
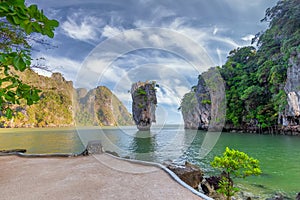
<point x="144" y="104"/>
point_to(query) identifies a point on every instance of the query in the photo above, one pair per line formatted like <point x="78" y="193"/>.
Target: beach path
<point x="85" y="177"/>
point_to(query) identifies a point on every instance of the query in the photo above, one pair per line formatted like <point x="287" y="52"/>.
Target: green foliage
<point x="188" y="103"/>
<point x="255" y="78"/>
<point x="54" y="107"/>
<point x="234" y="164"/>
<point x="21" y="20"/>
<point x="105" y="110"/>
<point x="206" y="101"/>
<point x="141" y="91"/>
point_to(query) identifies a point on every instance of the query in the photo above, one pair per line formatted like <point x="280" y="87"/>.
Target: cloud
<point x="110" y="31"/>
<point x="81" y="26"/>
<point x="248" y="37"/>
<point x="68" y="67"/>
<point x="215" y="31"/>
<point x="160" y="12"/>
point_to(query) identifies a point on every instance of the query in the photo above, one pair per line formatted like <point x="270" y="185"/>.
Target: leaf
<point x="3" y="7"/>
<point x="16" y="19"/>
<point x="28" y="28"/>
<point x="53" y="23"/>
<point x="10" y="19"/>
<point x="32" y="10"/>
<point x="50" y="33"/>
<point x="24" y="87"/>
<point x="19" y="63"/>
<point x="8" y="113"/>
<point x="37" y="27"/>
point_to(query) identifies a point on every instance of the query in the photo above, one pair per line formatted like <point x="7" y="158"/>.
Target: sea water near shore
<point x="278" y="155"/>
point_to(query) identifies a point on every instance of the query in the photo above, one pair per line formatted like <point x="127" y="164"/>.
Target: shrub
<point x="234" y="164"/>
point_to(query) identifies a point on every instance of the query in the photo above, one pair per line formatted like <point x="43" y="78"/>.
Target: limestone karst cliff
<point x="203" y="107"/>
<point x="262" y="82"/>
<point x="63" y="105"/>
<point x="291" y="113"/>
<point x="143" y="104"/>
<point x="100" y="106"/>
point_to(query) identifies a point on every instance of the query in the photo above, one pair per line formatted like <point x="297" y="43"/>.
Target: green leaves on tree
<point x="234" y="164"/>
<point x="31" y="19"/>
<point x="15" y="51"/>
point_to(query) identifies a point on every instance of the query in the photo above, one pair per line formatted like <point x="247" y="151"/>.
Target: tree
<point x="17" y="21"/>
<point x="234" y="164"/>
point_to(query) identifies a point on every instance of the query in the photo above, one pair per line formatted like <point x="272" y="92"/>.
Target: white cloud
<point x="248" y="37"/>
<point x="161" y="12"/>
<point x="66" y="66"/>
<point x="110" y="31"/>
<point x="81" y="26"/>
<point x="215" y="31"/>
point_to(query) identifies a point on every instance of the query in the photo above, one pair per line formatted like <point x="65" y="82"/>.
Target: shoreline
<point x="275" y="130"/>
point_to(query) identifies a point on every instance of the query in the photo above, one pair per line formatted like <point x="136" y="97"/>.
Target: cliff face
<point x="101" y="107"/>
<point x="291" y="115"/>
<point x="202" y="108"/>
<point x="143" y="104"/>
<point x="196" y="106"/>
<point x="197" y="110"/>
<point x="60" y="105"/>
<point x="263" y="83"/>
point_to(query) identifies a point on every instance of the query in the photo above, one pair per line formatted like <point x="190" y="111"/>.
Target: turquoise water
<point x="279" y="155"/>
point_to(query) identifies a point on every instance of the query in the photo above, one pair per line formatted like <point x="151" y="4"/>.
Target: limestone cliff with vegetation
<point x="62" y="105"/>
<point x="144" y="104"/>
<point x="262" y="84"/>
<point x="100" y="106"/>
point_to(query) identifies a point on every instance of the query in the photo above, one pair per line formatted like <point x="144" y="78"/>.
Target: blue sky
<point x="117" y="42"/>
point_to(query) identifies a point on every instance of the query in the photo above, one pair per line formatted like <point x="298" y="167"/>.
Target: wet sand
<point x="90" y="177"/>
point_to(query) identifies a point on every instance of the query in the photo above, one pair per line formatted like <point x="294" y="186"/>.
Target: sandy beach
<point x="90" y="177"/>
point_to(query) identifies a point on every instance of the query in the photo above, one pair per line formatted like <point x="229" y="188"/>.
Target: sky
<point x="118" y="42"/>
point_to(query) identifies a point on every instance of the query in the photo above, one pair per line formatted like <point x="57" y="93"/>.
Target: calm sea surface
<point x="279" y="155"/>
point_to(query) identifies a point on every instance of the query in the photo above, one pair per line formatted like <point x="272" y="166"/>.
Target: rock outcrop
<point x="291" y="114"/>
<point x="100" y="106"/>
<point x="143" y="104"/>
<point x="189" y="173"/>
<point x="298" y="196"/>
<point x="202" y="108"/>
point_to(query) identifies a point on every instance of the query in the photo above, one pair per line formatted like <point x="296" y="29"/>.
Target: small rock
<point x="189" y="173"/>
<point x="94" y="147"/>
<point x="278" y="196"/>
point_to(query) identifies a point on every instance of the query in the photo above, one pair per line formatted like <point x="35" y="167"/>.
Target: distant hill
<point x="100" y="106"/>
<point x="62" y="105"/>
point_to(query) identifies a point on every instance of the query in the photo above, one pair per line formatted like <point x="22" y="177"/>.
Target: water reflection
<point x="144" y="145"/>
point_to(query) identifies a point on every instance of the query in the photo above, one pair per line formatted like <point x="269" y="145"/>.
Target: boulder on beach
<point x="189" y="173"/>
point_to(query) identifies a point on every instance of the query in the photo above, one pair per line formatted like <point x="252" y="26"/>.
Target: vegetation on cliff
<point x="255" y="77"/>
<point x="61" y="105"/>
<point x="54" y="107"/>
<point x="144" y="103"/>
<point x="100" y="107"/>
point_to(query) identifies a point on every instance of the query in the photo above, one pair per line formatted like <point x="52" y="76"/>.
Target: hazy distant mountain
<point x="62" y="105"/>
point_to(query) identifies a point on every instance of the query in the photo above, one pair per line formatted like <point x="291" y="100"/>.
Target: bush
<point x="234" y="164"/>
